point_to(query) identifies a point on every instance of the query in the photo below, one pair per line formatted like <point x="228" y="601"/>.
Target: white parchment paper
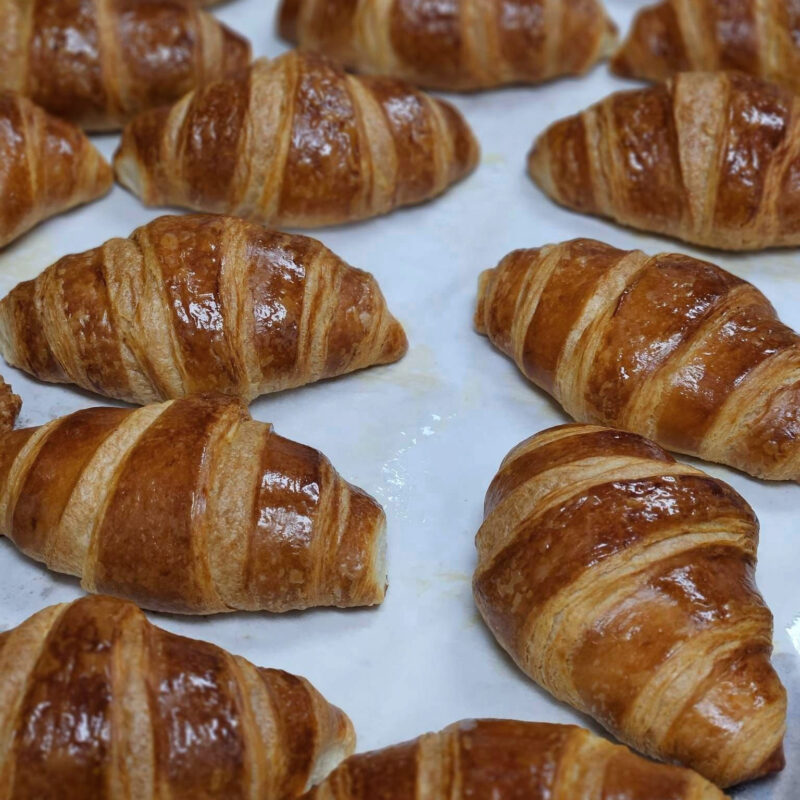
<point x="425" y="436"/>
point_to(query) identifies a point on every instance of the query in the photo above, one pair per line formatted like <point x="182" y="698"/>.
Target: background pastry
<point x="99" y="703"/>
<point x="667" y="346"/>
<point x="297" y="143"/>
<point x="506" y="759"/>
<point x="456" y="44"/>
<point x="711" y="158"/>
<point x="679" y="35"/>
<point x="110" y="495"/>
<point x="198" y="303"/>
<point x="48" y="166"/>
<point x="100" y="62"/>
<point x="624" y="584"/>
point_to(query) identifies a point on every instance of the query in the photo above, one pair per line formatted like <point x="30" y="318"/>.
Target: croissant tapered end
<point x="49" y="166"/>
<point x="623" y="583"/>
<point x="654" y="48"/>
<point x="171" y="716"/>
<point x="509" y="759"/>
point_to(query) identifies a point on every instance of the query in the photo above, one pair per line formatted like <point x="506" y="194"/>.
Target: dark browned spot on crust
<point x="323" y="177"/>
<point x="758" y="117"/>
<point x="15" y="168"/>
<point x="28" y="334"/>
<point x="64" y="57"/>
<point x="210" y="142"/>
<point x="426" y="35"/>
<point x="645" y="148"/>
<point x="51" y="478"/>
<point x="734" y="34"/>
<point x="64" y="739"/>
<point x="294" y="714"/>
<point x="409" y="121"/>
<point x="284" y="517"/>
<point x="198" y="733"/>
<point x="568" y="164"/>
<point x="191" y="257"/>
<point x="277" y="284"/>
<point x="522" y="36"/>
<point x="147" y="537"/>
<point x="509" y="759"/>
<point x="91" y="321"/>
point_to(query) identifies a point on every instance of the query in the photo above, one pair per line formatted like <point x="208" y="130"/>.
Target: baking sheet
<point x="425" y="436"/>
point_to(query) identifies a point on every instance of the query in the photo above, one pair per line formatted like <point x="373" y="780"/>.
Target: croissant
<point x="670" y="347"/>
<point x="297" y="143"/>
<point x="191" y="507"/>
<point x="98" y="704"/>
<point x="98" y="63"/>
<point x="198" y="303"/>
<point x="48" y="166"/>
<point x="623" y="583"/>
<point x="711" y="158"/>
<point x="680" y="35"/>
<point x="457" y="44"/>
<point x="505" y="760"/>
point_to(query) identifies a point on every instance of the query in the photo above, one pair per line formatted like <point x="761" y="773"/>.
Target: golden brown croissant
<point x="455" y="44"/>
<point x="759" y="38"/>
<point x="667" y="346"/>
<point x="98" y="704"/>
<point x="112" y="496"/>
<point x="711" y="158"/>
<point x="299" y="143"/>
<point x="623" y="583"/>
<point x="509" y="760"/>
<point x="99" y="62"/>
<point x="194" y="304"/>
<point x="47" y="166"/>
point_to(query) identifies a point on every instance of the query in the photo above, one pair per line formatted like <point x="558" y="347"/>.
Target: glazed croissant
<point x="623" y="583"/>
<point x="190" y="507"/>
<point x="99" y="63"/>
<point x="198" y="303"/>
<point x="98" y="704"/>
<point x="509" y="760"/>
<point x="48" y="166"/>
<point x="667" y="346"/>
<point x="711" y="158"/>
<point x="297" y="143"/>
<point x="679" y="35"/>
<point x="456" y="44"/>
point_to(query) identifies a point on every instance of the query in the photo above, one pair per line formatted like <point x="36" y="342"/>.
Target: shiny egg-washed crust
<point x="297" y="142"/>
<point x="509" y="760"/>
<point x="98" y="704"/>
<point x="198" y="304"/>
<point x="100" y="62"/>
<point x="759" y="37"/>
<point x="624" y="584"/>
<point x="190" y="507"/>
<point x="454" y="44"/>
<point x="47" y="166"/>
<point x="710" y="158"/>
<point x="667" y="346"/>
